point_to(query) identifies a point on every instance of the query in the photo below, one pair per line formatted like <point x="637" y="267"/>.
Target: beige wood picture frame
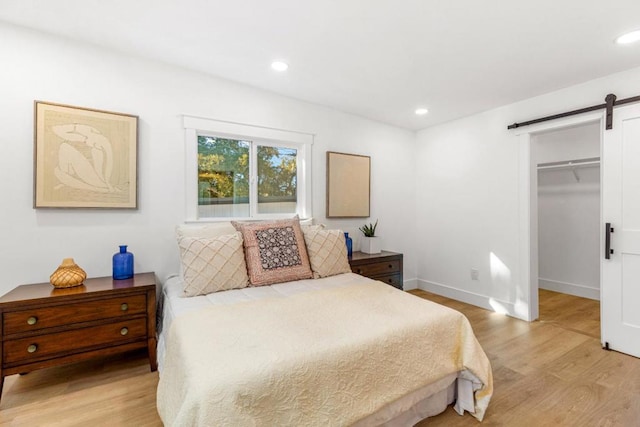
<point x="348" y="185"/>
<point x="84" y="158"/>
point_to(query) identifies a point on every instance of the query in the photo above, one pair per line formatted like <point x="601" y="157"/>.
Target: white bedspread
<point x="325" y="357"/>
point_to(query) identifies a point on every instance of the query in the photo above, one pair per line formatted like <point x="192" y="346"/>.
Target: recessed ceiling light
<point x="421" y="111"/>
<point x="631" y="37"/>
<point x="279" y="65"/>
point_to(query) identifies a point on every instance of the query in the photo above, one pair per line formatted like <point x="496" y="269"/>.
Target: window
<point x="224" y="178"/>
<point x="277" y="179"/>
<point x="251" y="173"/>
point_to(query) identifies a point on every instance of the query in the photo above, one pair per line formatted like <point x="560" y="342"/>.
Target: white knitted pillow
<point x="327" y="252"/>
<point x="208" y="230"/>
<point x="212" y="264"/>
<point x="311" y="227"/>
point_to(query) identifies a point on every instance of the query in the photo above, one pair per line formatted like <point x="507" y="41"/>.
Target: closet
<point x="568" y="163"/>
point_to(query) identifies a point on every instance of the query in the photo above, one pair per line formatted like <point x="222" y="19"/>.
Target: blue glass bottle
<point x="123" y="264"/>
<point x="349" y="241"/>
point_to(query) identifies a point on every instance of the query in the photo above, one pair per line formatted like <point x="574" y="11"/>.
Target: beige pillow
<point x="275" y="251"/>
<point x="311" y="227"/>
<point x="212" y="264"/>
<point x="208" y="230"/>
<point x="327" y="252"/>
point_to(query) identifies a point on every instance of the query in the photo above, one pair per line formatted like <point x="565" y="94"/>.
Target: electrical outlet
<point x="475" y="274"/>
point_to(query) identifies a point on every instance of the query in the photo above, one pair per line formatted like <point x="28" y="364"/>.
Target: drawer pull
<point x="124" y="331"/>
<point x="390" y="266"/>
<point x="359" y="271"/>
<point x="124" y="306"/>
<point x="32" y="320"/>
<point x="32" y="348"/>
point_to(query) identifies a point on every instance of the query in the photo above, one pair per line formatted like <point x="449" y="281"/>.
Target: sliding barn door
<point x="620" y="294"/>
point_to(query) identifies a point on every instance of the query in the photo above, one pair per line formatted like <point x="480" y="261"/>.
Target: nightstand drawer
<point x="41" y="346"/>
<point x="378" y="268"/>
<point x="47" y="317"/>
<point x="394" y="280"/>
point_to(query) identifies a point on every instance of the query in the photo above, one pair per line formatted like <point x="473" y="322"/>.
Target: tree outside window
<point x="224" y="172"/>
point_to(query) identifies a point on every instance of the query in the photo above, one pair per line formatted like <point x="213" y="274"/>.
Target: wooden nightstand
<point x="385" y="266"/>
<point x="43" y="326"/>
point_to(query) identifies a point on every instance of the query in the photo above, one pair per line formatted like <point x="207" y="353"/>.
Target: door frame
<point x="528" y="205"/>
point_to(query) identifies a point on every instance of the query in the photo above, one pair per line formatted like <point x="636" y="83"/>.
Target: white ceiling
<point x="379" y="59"/>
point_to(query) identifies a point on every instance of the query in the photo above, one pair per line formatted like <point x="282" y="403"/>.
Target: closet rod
<point x="610" y="102"/>
<point x="570" y="163"/>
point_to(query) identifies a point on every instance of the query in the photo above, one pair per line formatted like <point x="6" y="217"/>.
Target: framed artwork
<point x="348" y="185"/>
<point x="84" y="158"/>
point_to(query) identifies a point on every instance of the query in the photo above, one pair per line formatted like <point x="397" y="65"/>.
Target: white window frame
<point x="258" y="135"/>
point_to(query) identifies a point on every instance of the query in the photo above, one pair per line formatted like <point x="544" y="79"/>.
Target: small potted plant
<point x="370" y="244"/>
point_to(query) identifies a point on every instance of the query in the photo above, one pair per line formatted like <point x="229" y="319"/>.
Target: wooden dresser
<point x="385" y="266"/>
<point x="43" y="326"/>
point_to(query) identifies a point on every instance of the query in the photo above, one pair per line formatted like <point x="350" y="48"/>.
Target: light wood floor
<point x="552" y="372"/>
<point x="547" y="373"/>
<point x="120" y="391"/>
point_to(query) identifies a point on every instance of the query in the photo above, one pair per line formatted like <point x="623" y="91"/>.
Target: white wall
<point x="40" y="67"/>
<point x="569" y="212"/>
<point x="468" y="207"/>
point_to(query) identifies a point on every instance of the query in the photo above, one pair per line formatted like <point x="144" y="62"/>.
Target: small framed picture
<point x="348" y="185"/>
<point x="84" y="158"/>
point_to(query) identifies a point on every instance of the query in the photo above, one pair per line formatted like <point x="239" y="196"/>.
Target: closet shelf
<point x="571" y="164"/>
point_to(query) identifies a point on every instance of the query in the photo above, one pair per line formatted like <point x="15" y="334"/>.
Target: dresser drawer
<point x="394" y="280"/>
<point x="46" y="317"/>
<point x="38" y="347"/>
<point x="376" y="269"/>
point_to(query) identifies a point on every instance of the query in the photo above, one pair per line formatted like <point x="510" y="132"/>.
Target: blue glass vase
<point x="123" y="264"/>
<point x="349" y="241"/>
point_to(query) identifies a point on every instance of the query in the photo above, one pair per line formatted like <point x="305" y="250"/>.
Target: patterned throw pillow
<point x="212" y="264"/>
<point x="327" y="252"/>
<point x="275" y="251"/>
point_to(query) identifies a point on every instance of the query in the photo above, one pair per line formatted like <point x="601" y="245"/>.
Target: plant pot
<point x="370" y="245"/>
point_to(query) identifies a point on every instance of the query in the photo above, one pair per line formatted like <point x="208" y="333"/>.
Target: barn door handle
<point x="607" y="240"/>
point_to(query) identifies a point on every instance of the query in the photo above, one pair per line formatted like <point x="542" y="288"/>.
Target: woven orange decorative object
<point x="69" y="274"/>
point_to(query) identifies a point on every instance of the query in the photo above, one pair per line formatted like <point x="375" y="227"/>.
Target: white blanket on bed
<point x="327" y="357"/>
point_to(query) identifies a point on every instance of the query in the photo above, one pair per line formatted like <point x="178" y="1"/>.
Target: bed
<point x="341" y="350"/>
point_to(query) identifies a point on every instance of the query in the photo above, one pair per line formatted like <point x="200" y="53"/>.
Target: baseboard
<point x="478" y="300"/>
<point x="410" y="284"/>
<point x="569" y="288"/>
